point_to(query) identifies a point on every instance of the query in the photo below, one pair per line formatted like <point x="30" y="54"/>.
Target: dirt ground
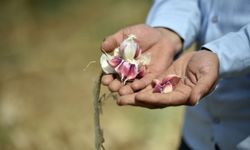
<point x="45" y="93"/>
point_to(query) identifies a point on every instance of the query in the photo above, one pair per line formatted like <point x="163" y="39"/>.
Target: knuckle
<point x="122" y="91"/>
<point x="136" y="85"/>
<point x="125" y="91"/>
<point x="112" y="88"/>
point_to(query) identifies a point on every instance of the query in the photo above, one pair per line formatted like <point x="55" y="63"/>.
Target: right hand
<point x="162" y="45"/>
<point x="199" y="71"/>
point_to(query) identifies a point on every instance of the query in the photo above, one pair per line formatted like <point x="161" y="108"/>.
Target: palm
<point x="199" y="71"/>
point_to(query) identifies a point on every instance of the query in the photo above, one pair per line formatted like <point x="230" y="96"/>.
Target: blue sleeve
<point x="183" y="17"/>
<point x="233" y="51"/>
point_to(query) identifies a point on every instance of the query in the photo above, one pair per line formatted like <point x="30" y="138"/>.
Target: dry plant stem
<point x="99" y="139"/>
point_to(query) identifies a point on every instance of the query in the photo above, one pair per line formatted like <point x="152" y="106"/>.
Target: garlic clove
<point x="129" y="48"/>
<point x="133" y="72"/>
<point x="166" y="85"/>
<point x="142" y="71"/>
<point x="172" y="78"/>
<point x="167" y="88"/>
<point x="123" y="69"/>
<point x="126" y="61"/>
<point x="157" y="88"/>
<point x="114" y="61"/>
<point x="105" y="65"/>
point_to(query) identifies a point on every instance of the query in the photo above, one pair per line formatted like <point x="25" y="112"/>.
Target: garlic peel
<point x="105" y="65"/>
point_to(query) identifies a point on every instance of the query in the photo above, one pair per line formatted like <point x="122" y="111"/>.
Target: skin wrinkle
<point x="183" y="93"/>
<point x="189" y="83"/>
<point x="193" y="79"/>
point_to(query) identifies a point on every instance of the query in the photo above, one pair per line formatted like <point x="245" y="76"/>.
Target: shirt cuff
<point x="233" y="53"/>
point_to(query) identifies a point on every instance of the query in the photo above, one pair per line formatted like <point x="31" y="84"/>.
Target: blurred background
<point x="45" y="93"/>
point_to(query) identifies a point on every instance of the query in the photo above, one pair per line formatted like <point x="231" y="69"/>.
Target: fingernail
<point x="197" y="100"/>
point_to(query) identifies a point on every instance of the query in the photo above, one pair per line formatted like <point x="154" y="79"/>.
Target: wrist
<point x="175" y="40"/>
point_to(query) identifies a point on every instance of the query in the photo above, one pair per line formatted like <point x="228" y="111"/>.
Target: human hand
<point x="199" y="73"/>
<point x="161" y="44"/>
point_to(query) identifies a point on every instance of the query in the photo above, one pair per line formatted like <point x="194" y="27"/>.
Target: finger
<point x="130" y="100"/>
<point x="175" y="98"/>
<point x="125" y="90"/>
<point x="107" y="79"/>
<point x="115" y="85"/>
<point x="202" y="88"/>
<point x="126" y="100"/>
<point x="143" y="82"/>
<point x="161" y="100"/>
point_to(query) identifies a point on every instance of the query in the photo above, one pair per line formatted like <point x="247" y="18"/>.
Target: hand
<point x="199" y="72"/>
<point x="160" y="43"/>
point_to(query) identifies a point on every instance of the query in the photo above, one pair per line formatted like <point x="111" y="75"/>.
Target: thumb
<point x="113" y="41"/>
<point x="202" y="88"/>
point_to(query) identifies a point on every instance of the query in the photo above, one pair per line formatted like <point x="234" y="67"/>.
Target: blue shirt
<point x="223" y="26"/>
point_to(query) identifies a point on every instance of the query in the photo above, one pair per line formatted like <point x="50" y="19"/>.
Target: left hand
<point x="162" y="44"/>
<point x="199" y="71"/>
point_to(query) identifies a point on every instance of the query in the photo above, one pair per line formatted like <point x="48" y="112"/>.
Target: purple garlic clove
<point x="115" y="61"/>
<point x="166" y="85"/>
<point x="123" y="69"/>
